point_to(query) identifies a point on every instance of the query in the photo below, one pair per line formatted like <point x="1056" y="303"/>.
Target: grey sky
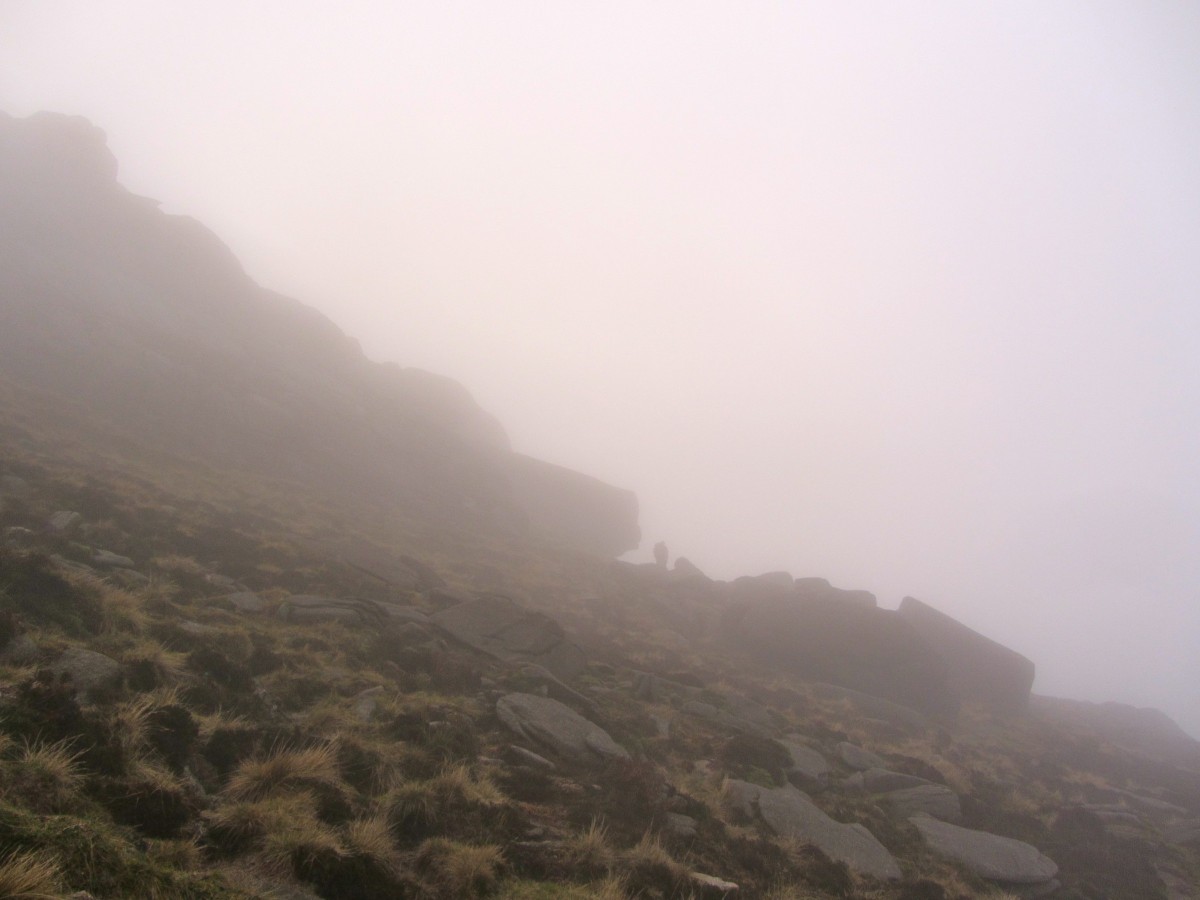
<point x="901" y="295"/>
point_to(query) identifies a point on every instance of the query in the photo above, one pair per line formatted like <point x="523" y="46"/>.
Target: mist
<point x="904" y="298"/>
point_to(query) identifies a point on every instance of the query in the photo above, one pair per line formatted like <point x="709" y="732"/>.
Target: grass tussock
<point x="589" y="851"/>
<point x="418" y="806"/>
<point x="45" y="777"/>
<point x="285" y="769"/>
<point x="459" y="870"/>
<point x="29" y="876"/>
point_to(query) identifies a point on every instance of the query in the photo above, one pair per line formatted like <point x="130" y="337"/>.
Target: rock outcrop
<point x="147" y="321"/>
<point x="977" y="668"/>
<point x="989" y="856"/>
<point x="824" y="638"/>
<point x="790" y="813"/>
<point x="498" y="626"/>
<point x="558" y="728"/>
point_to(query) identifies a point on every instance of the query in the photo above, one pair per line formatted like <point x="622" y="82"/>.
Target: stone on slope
<point x="307" y="608"/>
<point x="790" y="813"/>
<point x="246" y="601"/>
<point x="557" y="727"/>
<point x="702" y="710"/>
<point x="63" y="521"/>
<point x="807" y="763"/>
<point x="498" y="626"/>
<point x="857" y="758"/>
<point x="978" y="667"/>
<point x="935" y="800"/>
<point x="989" y="856"/>
<point x="881" y="781"/>
<point x="111" y="560"/>
<point x="89" y="671"/>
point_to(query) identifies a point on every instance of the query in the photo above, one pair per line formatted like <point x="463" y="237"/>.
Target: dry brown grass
<point x="459" y="870"/>
<point x="46" y="777"/>
<point x="29" y="876"/>
<point x="285" y="769"/>
<point x="589" y="850"/>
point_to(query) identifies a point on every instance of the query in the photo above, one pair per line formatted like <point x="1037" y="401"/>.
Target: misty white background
<point x="903" y="295"/>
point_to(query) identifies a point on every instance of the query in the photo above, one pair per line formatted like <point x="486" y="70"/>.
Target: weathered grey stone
<point x="247" y="602"/>
<point x="224" y="582"/>
<point x="790" y="813"/>
<point x="881" y="781"/>
<point x="110" y="560"/>
<point x="63" y="521"/>
<point x="702" y="710"/>
<point x="522" y="757"/>
<point x="710" y="886"/>
<point x="366" y="702"/>
<point x="308" y="608"/>
<point x="498" y="626"/>
<point x="559" y="691"/>
<point x="89" y="671"/>
<point x="806" y="762"/>
<point x="870" y="705"/>
<point x="557" y="727"/>
<point x="399" y="613"/>
<point x="858" y="758"/>
<point x="19" y="651"/>
<point x="987" y="855"/>
<point x="936" y="800"/>
<point x="680" y="825"/>
<point x="978" y="667"/>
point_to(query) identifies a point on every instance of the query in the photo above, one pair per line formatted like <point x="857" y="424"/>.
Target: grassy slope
<point x="234" y="758"/>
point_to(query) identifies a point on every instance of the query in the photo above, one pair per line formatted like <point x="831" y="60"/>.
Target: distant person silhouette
<point x="660" y="555"/>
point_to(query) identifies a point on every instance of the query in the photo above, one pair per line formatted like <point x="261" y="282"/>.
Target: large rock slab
<point x="882" y="781"/>
<point x="823" y="638"/>
<point x="557" y="727"/>
<point x="498" y="626"/>
<point x="807" y="763"/>
<point x="987" y="855"/>
<point x="978" y="668"/>
<point x="857" y="757"/>
<point x="310" y="608"/>
<point x="790" y="813"/>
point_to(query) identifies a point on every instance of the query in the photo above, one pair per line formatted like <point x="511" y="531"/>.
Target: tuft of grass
<point x="416" y="807"/>
<point x="459" y="870"/>
<point x="370" y="839"/>
<point x="29" y="876"/>
<point x="285" y="769"/>
<point x="589" y="850"/>
<point x="46" y="777"/>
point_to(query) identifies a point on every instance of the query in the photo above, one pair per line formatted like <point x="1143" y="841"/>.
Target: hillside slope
<point x="148" y="320"/>
<point x="279" y="622"/>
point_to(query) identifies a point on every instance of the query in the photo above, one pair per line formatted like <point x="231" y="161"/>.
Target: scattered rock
<point x="307" y="608"/>
<point x="366" y="702"/>
<point x="399" y="613"/>
<point x="680" y="825"/>
<point x="110" y="560"/>
<point x="223" y="582"/>
<point x="498" y="626"/>
<point x="63" y="522"/>
<point x="558" y="727"/>
<point x="870" y="705"/>
<point x="790" y="813"/>
<point x="711" y="886"/>
<point x="881" y="781"/>
<point x="807" y="763"/>
<point x="559" y="691"/>
<point x="987" y="855"/>
<point x="522" y="757"/>
<point x="935" y="800"/>
<point x="89" y="671"/>
<point x="246" y="601"/>
<point x="858" y="758"/>
<point x="702" y="710"/>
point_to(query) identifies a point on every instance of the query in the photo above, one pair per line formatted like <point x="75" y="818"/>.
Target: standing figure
<point x="660" y="555"/>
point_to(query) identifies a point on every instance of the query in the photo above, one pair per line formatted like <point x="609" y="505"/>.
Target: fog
<point x="905" y="297"/>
